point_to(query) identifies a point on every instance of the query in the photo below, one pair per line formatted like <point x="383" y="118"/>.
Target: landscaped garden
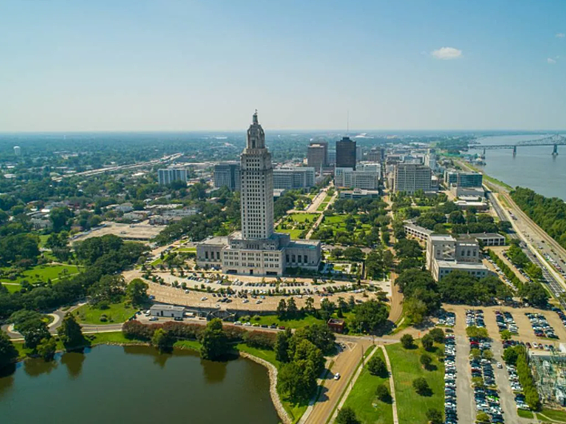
<point x="37" y="274"/>
<point x="297" y="224"/>
<point x="111" y="313"/>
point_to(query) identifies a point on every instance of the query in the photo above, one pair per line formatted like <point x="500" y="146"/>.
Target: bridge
<point x="553" y="140"/>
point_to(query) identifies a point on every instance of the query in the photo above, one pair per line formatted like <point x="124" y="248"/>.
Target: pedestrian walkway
<point x="391" y="386"/>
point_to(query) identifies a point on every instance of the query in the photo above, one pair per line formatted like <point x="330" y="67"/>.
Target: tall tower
<point x="256" y="191"/>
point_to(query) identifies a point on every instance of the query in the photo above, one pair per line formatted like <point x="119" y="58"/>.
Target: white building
<point x="290" y="178"/>
<point x="167" y="176"/>
<point x="169" y="311"/>
<point x="445" y="254"/>
<point x="412" y="177"/>
<point x="366" y="177"/>
<point x="257" y="249"/>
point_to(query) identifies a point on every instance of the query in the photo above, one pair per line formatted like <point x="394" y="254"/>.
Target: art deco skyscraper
<point x="256" y="191"/>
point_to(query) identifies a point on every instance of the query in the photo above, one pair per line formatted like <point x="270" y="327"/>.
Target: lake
<point x="533" y="167"/>
<point x="112" y="384"/>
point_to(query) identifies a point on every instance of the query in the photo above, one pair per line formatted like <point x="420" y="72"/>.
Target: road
<point x="345" y="363"/>
<point x="506" y="395"/>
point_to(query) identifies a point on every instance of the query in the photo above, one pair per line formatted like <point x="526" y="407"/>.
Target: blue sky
<point x="206" y="65"/>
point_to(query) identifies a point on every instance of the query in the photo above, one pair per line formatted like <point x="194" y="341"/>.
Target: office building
<point x="359" y="153"/>
<point x="346" y="153"/>
<point x="362" y="179"/>
<point x="376" y="154"/>
<point x="293" y="178"/>
<point x="227" y="174"/>
<point x="167" y="176"/>
<point x="469" y="179"/>
<point x="445" y="254"/>
<point x="257" y="249"/>
<point x="331" y="157"/>
<point x="411" y="177"/>
<point x="317" y="155"/>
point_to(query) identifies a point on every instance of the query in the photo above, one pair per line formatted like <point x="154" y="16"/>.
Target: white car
<point x="337" y="376"/>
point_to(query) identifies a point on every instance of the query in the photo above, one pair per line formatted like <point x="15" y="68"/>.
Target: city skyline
<point x="184" y="66"/>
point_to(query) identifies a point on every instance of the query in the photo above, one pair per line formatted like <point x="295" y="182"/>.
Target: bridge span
<point x="553" y="140"/>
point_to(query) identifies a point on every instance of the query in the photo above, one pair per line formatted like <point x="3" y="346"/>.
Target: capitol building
<point x="257" y="249"/>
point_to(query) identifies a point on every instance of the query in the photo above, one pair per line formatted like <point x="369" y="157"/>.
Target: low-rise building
<point x="336" y="325"/>
<point x="445" y="254"/>
<point x="358" y="193"/>
<point x="170" y="311"/>
<point x="416" y="231"/>
<point x="489" y="239"/>
<point x="290" y="178"/>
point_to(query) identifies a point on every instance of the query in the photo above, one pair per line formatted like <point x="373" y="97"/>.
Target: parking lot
<point x="499" y="400"/>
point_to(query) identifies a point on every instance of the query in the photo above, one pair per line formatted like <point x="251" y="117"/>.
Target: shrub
<point x="103" y="305"/>
<point x="434" y="416"/>
<point x="425" y="360"/>
<point x="427" y="342"/>
<point x="437" y="335"/>
<point x="260" y="339"/>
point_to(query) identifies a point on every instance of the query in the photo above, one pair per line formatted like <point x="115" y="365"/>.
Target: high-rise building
<point x="256" y="196"/>
<point x="293" y="177"/>
<point x="365" y="177"/>
<point x="359" y="153"/>
<point x="167" y="176"/>
<point x="227" y="174"/>
<point x="331" y="157"/>
<point x="411" y="177"/>
<point x="376" y="154"/>
<point x="257" y="249"/>
<point x="317" y="155"/>
<point x="346" y="153"/>
<point x="17" y="150"/>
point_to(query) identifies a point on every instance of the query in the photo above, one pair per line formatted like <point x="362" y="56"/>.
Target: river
<point x="533" y="167"/>
<point x="112" y="384"/>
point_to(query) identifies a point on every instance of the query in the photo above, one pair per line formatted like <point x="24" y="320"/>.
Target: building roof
<point x="441" y="237"/>
<point x="461" y="265"/>
<point x="167" y="308"/>
<point x="215" y="241"/>
<point x="486" y="235"/>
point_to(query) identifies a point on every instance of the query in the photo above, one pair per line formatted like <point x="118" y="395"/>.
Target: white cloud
<point x="551" y="61"/>
<point x="560" y="35"/>
<point x="447" y="53"/>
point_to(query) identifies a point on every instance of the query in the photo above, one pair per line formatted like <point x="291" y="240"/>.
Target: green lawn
<point x="362" y="400"/>
<point x="322" y="206"/>
<point x="293" y="233"/>
<point x="43" y="239"/>
<point x="116" y="313"/>
<point x="293" y="323"/>
<point x="187" y="249"/>
<point x="44" y="272"/>
<point x="552" y="414"/>
<point x="12" y="288"/>
<point x="524" y="414"/>
<point x="406" y="368"/>
<point x="302" y="217"/>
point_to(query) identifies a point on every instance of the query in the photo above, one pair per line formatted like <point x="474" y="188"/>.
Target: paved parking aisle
<point x="464" y="392"/>
<point x="506" y="396"/>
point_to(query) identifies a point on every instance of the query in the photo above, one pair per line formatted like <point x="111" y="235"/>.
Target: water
<point x="533" y="167"/>
<point x="112" y="384"/>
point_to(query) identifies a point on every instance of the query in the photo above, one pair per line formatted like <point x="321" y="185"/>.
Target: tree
<point x="305" y="350"/>
<point x="382" y="393"/>
<point x="353" y="254"/>
<point x="47" y="348"/>
<point x="505" y="335"/>
<point x="535" y="294"/>
<point x="347" y="416"/>
<point x="482" y="417"/>
<point x="487" y="354"/>
<point x="427" y="342"/>
<point x="137" y="292"/>
<point x="475" y="353"/>
<point x="297" y="379"/>
<point x="70" y="332"/>
<point x="282" y="345"/>
<point x="282" y="309"/>
<point x="437" y="335"/>
<point x="421" y="386"/>
<point x="110" y="288"/>
<point x="425" y="361"/>
<point x="8" y="353"/>
<point x="376" y="366"/>
<point x="434" y="416"/>
<point x="214" y="341"/>
<point x="292" y="310"/>
<point x="407" y="341"/>
<point x="34" y="331"/>
<point x="369" y="316"/>
<point x="415" y="310"/>
<point x="162" y="340"/>
<point x="510" y="356"/>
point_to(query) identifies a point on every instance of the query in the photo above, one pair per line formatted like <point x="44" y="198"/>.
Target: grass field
<point x="296" y="223"/>
<point x="292" y="323"/>
<point x="406" y="368"/>
<point x="363" y="401"/>
<point x="553" y="415"/>
<point x="44" y="273"/>
<point x="322" y="206"/>
<point x="117" y="312"/>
